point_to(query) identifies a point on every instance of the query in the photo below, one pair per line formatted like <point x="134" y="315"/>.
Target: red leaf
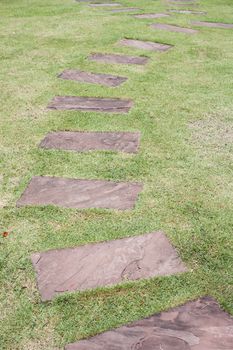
<point x="5" y="234"/>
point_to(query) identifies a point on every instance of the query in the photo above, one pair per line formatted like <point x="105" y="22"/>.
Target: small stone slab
<point x="93" y="78"/>
<point x="145" y="45"/>
<point x="113" y="4"/>
<point x="189" y="12"/>
<point x="213" y="25"/>
<point x="118" y="59"/>
<point x="126" y="9"/>
<point x="110" y="105"/>
<point x="80" y="194"/>
<point x="88" y="141"/>
<point x="105" y="264"/>
<point x="152" y="15"/>
<point x="173" y="28"/>
<point x="197" y="325"/>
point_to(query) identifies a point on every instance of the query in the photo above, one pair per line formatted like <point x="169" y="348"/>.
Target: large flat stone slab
<point x="118" y="59"/>
<point x="213" y="25"/>
<point x="80" y="194"/>
<point x="151" y="15"/>
<point x="88" y="141"/>
<point x="93" y="78"/>
<point x="126" y="9"/>
<point x="197" y="325"/>
<point x="111" y="4"/>
<point x="188" y="12"/>
<point x="105" y="264"/>
<point x="110" y="105"/>
<point x="173" y="28"/>
<point x="145" y="45"/>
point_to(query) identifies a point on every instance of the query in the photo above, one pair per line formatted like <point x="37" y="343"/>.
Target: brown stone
<point x="189" y="12"/>
<point x="152" y="15"/>
<point x="173" y="28"/>
<point x="87" y="141"/>
<point x="213" y="24"/>
<point x="197" y="325"/>
<point x="118" y="59"/>
<point x="145" y="45"/>
<point x="112" y="4"/>
<point x="80" y="194"/>
<point x="110" y="105"/>
<point x="105" y="264"/>
<point x="126" y="9"/>
<point x="94" y="78"/>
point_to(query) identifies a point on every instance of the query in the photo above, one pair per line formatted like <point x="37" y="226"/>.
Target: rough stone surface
<point x="110" y="105"/>
<point x="94" y="78"/>
<point x="145" y="45"/>
<point x="152" y="15"/>
<point x="111" y="4"/>
<point x="213" y="24"/>
<point x="189" y="12"/>
<point x="118" y="59"/>
<point x="197" y="325"/>
<point x="126" y="9"/>
<point x="173" y="28"/>
<point x="87" y="141"/>
<point x="105" y="264"/>
<point x="81" y="194"/>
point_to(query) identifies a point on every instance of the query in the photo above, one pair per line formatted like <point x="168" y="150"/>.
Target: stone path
<point x="88" y="141"/>
<point x="145" y="45"/>
<point x="80" y="194"/>
<point x="94" y="78"/>
<point x="197" y="325"/>
<point x="107" y="105"/>
<point x="118" y="59"/>
<point x="105" y="264"/>
<point x="172" y="28"/>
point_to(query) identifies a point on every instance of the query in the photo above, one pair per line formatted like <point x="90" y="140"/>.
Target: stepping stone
<point x="197" y="325"/>
<point x="185" y="4"/>
<point x="88" y="141"/>
<point x="213" y="24"/>
<point x="183" y="1"/>
<point x="110" y="105"/>
<point x="105" y="5"/>
<point x="118" y="59"/>
<point x="189" y="12"/>
<point x="80" y="194"/>
<point x="173" y="28"/>
<point x="145" y="45"/>
<point x="94" y="78"/>
<point x="152" y="15"/>
<point x="105" y="264"/>
<point x="127" y="9"/>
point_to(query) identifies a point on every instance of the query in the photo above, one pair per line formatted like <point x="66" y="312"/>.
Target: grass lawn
<point x="183" y="106"/>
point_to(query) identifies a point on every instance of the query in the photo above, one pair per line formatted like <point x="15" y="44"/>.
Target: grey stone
<point x="214" y="25"/>
<point x="87" y="141"/>
<point x="197" y="325"/>
<point x="80" y="194"/>
<point x="110" y="105"/>
<point x="145" y="45"/>
<point x="105" y="264"/>
<point x="118" y="59"/>
<point x="172" y="28"/>
<point x="94" y="78"/>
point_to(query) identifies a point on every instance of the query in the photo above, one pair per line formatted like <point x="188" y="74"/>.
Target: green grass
<point x="184" y="110"/>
